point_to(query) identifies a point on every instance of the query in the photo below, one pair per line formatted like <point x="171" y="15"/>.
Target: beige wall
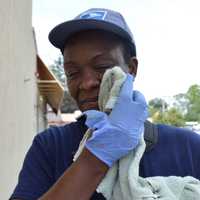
<point x="17" y="89"/>
<point x="41" y="114"/>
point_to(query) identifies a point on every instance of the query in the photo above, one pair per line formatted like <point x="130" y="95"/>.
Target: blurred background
<point x="34" y="96"/>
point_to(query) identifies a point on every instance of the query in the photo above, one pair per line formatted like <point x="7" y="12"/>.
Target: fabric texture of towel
<point x="122" y="181"/>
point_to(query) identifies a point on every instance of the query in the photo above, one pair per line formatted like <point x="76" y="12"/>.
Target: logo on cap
<point x="99" y="15"/>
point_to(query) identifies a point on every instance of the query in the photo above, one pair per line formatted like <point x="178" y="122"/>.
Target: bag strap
<point x="150" y="135"/>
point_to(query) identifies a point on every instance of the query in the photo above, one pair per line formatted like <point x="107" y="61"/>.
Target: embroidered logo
<point x="99" y="15"/>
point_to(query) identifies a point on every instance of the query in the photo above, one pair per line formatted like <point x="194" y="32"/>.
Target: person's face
<point x="86" y="57"/>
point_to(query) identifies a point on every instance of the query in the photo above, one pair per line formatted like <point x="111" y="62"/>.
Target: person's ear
<point x="133" y="65"/>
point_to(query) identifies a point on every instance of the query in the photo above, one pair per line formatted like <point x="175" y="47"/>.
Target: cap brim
<point x="59" y="35"/>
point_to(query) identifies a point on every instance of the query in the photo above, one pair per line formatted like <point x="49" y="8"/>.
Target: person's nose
<point x="89" y="80"/>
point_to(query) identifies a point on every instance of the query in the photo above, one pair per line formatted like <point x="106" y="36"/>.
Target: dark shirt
<point x="176" y="153"/>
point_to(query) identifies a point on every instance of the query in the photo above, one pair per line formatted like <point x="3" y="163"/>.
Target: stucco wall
<point x="17" y="89"/>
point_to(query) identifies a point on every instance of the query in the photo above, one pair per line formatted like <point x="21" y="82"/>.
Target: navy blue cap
<point x="93" y="19"/>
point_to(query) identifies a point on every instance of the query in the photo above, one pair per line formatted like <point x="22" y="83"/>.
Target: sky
<point x="167" y="35"/>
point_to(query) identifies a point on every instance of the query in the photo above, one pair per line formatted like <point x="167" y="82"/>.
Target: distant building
<point x="193" y="126"/>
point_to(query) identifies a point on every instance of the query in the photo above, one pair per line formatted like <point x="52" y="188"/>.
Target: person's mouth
<point x="88" y="104"/>
<point x="89" y="100"/>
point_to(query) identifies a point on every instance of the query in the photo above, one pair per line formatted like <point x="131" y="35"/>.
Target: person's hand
<point x="117" y="134"/>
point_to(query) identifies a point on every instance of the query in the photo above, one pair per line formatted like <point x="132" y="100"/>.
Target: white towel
<point x="122" y="181"/>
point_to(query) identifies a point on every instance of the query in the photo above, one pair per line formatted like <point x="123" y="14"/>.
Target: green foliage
<point x="157" y="105"/>
<point x="58" y="70"/>
<point x="171" y="117"/>
<point x="186" y="107"/>
<point x="193" y="108"/>
<point x="181" y="103"/>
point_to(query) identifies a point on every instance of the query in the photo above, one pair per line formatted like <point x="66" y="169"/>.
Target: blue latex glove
<point x="116" y="135"/>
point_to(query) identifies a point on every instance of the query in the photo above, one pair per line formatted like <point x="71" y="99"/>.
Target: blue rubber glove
<point x="116" y="135"/>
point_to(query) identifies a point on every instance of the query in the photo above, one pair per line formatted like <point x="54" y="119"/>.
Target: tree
<point x="161" y="113"/>
<point x="58" y="70"/>
<point x="157" y="105"/>
<point x="68" y="104"/>
<point x="193" y="107"/>
<point x="172" y="117"/>
<point x="181" y="102"/>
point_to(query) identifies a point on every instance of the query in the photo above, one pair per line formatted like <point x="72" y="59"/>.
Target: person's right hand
<point x="116" y="135"/>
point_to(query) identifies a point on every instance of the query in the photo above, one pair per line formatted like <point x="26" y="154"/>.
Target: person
<point x="96" y="40"/>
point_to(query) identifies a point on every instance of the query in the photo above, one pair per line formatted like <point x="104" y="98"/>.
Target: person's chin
<point x="89" y="106"/>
